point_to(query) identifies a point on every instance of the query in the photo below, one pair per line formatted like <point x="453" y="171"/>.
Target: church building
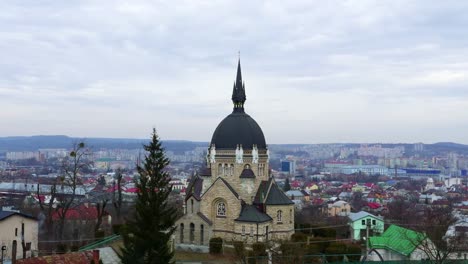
<point x="235" y="197"/>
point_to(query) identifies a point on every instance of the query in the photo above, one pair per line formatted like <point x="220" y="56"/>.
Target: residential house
<point x="338" y="208"/>
<point x="14" y="227"/>
<point x="396" y="244"/>
<point x="360" y="221"/>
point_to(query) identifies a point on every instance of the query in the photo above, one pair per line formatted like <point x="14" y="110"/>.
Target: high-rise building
<point x="288" y="166"/>
<point x="235" y="198"/>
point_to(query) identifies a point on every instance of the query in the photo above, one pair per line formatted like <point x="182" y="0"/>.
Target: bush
<point x="216" y="245"/>
<point x="251" y="258"/>
<point x="299" y="237"/>
<point x="353" y="252"/>
<point x="292" y="252"/>
<point x="99" y="234"/>
<point x="62" y="248"/>
<point x="116" y="229"/>
<point x="259" y="249"/>
<point x="337" y="249"/>
<point x="239" y="248"/>
<point x="324" y="232"/>
<point x="319" y="244"/>
<point x="305" y="228"/>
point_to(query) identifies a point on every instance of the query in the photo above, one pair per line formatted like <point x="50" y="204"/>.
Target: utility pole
<point x="368" y="224"/>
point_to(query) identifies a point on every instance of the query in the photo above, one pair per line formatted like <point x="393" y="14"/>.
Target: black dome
<point x="238" y="128"/>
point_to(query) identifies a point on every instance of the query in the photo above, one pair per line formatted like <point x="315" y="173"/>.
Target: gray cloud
<point x="315" y="71"/>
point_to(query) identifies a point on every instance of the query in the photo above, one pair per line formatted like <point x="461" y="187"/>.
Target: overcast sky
<point x="315" y="71"/>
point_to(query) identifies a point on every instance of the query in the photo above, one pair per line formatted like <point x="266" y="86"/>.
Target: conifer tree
<point x="287" y="186"/>
<point x="147" y="238"/>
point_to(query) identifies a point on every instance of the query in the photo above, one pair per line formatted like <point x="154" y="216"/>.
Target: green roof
<point x="399" y="239"/>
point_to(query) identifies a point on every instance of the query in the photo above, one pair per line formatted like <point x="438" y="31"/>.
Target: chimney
<point x="96" y="256"/>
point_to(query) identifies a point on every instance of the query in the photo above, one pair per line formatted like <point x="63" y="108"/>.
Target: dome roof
<point x="238" y="128"/>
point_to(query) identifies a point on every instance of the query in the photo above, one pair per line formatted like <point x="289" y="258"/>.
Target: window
<point x="191" y="201"/>
<point x="261" y="169"/>
<point x="251" y="230"/>
<point x="16" y="231"/>
<point x="181" y="233"/>
<point x="192" y="232"/>
<point x="220" y="169"/>
<point x="202" y="235"/>
<point x="247" y="166"/>
<point x="290" y="216"/>
<point x="279" y="216"/>
<point x="363" y="222"/>
<point x="243" y="230"/>
<point x="231" y="169"/>
<point x="221" y="209"/>
<point x="373" y="222"/>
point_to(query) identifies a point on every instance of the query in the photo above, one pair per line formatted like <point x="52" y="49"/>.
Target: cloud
<point x="315" y="71"/>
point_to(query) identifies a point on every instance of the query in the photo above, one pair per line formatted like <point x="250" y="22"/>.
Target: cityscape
<point x="343" y="138"/>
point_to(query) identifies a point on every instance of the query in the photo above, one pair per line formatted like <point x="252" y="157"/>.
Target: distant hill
<point x="43" y="142"/>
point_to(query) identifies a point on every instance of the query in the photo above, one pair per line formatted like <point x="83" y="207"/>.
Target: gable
<point x="220" y="184"/>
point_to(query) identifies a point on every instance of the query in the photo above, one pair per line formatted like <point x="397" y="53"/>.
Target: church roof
<point x="194" y="188"/>
<point x="270" y="194"/>
<point x="205" y="172"/>
<point x="206" y="219"/>
<point x="247" y="173"/>
<point x="250" y="213"/>
<point x="238" y="128"/>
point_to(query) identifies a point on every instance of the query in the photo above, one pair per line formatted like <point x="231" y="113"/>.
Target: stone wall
<point x="284" y="229"/>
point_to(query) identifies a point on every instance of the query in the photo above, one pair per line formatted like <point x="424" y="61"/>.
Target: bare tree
<point x="76" y="161"/>
<point x="117" y="201"/>
<point x="47" y="209"/>
<point x="431" y="237"/>
<point x="101" y="199"/>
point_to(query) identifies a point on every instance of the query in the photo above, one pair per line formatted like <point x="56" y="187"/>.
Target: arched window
<point x="247" y="166"/>
<point x="191" y="202"/>
<point x="231" y="169"/>
<point x="290" y="216"/>
<point x="220" y="169"/>
<point x="279" y="216"/>
<point x="192" y="232"/>
<point x="202" y="235"/>
<point x="221" y="209"/>
<point x="181" y="233"/>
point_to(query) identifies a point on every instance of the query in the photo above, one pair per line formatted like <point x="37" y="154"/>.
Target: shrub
<point x="116" y="229"/>
<point x="99" y="234"/>
<point x="259" y="249"/>
<point x="299" y="237"/>
<point x="216" y="245"/>
<point x="251" y="259"/>
<point x="324" y="232"/>
<point x="292" y="252"/>
<point x="320" y="243"/>
<point x="239" y="248"/>
<point x="336" y="249"/>
<point x="353" y="252"/>
<point x="62" y="248"/>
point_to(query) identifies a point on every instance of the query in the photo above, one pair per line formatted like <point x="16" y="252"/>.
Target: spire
<point x="238" y="91"/>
